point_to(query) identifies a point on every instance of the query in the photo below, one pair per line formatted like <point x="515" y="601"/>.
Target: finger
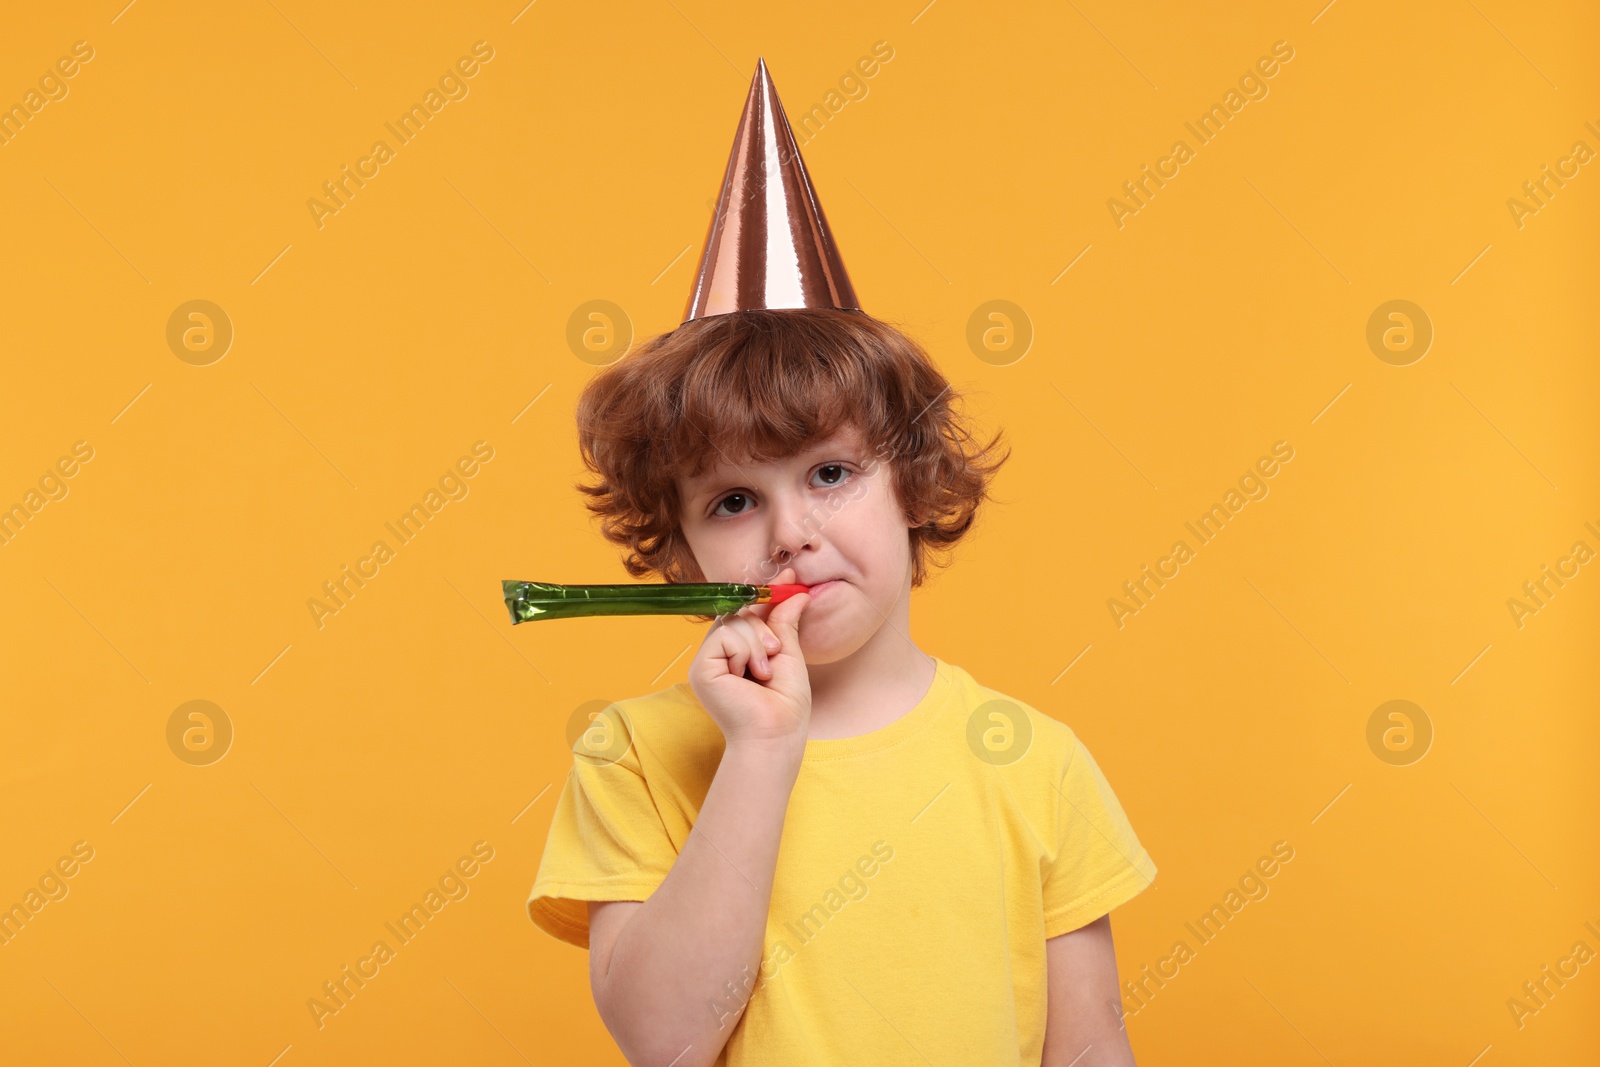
<point x="764" y="611"/>
<point x="784" y="621"/>
<point x="742" y="628"/>
<point x="769" y="640"/>
<point x="760" y="632"/>
<point x="741" y="634"/>
<point x="760" y="665"/>
<point x="736" y="654"/>
<point x="756" y="651"/>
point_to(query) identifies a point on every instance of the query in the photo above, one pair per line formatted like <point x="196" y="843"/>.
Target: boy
<point x="827" y="846"/>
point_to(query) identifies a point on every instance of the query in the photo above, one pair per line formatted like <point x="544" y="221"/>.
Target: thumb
<point x="784" y="621"/>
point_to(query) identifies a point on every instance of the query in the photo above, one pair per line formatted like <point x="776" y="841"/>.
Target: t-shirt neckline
<point x="923" y="712"/>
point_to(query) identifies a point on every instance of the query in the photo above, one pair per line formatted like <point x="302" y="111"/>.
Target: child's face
<point x="833" y="508"/>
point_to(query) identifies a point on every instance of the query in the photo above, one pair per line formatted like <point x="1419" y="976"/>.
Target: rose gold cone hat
<point x="769" y="245"/>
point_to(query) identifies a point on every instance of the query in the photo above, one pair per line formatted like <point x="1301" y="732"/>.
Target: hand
<point x="750" y="673"/>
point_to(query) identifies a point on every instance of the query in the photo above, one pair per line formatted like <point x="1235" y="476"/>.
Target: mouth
<point x="818" y="588"/>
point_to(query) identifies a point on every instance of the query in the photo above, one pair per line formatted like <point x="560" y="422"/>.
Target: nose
<point x="788" y="548"/>
<point x="791" y="533"/>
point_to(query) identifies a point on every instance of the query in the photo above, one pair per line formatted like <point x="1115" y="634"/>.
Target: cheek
<point x="873" y="533"/>
<point x="725" y="553"/>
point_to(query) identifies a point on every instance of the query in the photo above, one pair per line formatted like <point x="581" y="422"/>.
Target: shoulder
<point x="675" y="716"/>
<point x="665" y="731"/>
<point x="1016" y="730"/>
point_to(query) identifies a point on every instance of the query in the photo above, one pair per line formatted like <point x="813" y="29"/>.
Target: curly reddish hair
<point x="762" y="385"/>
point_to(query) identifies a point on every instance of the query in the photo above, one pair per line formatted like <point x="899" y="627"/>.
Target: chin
<point x="828" y="642"/>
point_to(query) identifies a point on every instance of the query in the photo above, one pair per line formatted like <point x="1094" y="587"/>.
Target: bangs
<point x="769" y="393"/>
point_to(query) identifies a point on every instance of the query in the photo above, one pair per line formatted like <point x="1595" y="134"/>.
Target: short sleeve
<point x="1099" y="862"/>
<point x="607" y="842"/>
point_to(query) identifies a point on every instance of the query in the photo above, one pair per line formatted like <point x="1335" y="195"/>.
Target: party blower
<point x="528" y="601"/>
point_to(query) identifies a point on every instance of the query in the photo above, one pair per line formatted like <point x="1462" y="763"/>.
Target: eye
<point x="738" y="501"/>
<point x="833" y="475"/>
<point x="837" y="479"/>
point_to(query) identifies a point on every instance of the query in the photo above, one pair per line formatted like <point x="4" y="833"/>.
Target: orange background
<point x="369" y="754"/>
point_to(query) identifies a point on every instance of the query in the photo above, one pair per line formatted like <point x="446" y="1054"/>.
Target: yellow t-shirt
<point x="921" y="868"/>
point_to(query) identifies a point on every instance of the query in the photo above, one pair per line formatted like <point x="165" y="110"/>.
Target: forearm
<point x="1092" y="1036"/>
<point x="1084" y="1026"/>
<point x="666" y="987"/>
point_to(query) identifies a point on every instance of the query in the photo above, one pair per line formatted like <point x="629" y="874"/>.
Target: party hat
<point x="769" y="245"/>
